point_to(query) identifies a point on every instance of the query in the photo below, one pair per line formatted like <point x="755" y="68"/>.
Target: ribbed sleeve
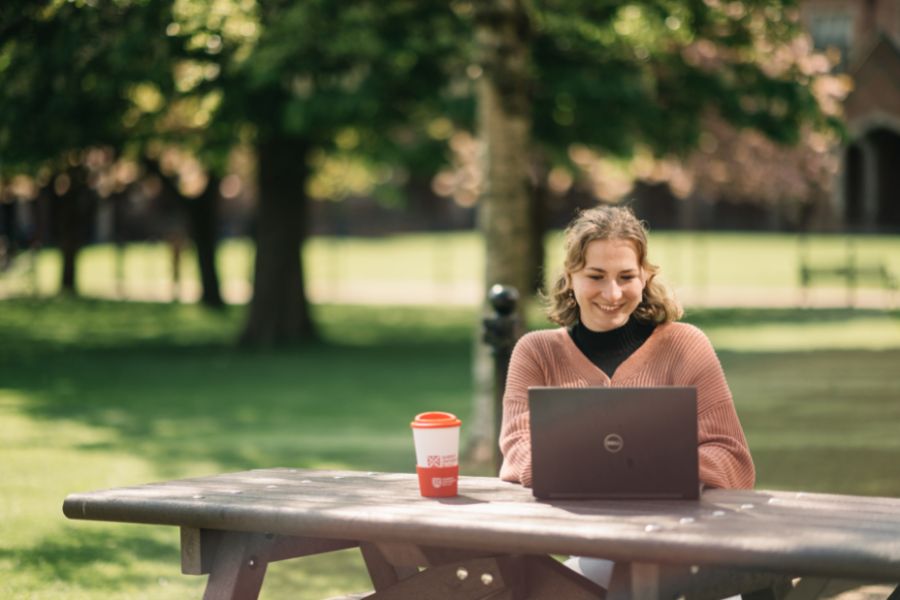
<point x="724" y="456"/>
<point x="675" y="354"/>
<point x="515" y="438"/>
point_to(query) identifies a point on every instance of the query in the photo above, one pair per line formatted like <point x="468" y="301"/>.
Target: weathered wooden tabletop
<point x="784" y="532"/>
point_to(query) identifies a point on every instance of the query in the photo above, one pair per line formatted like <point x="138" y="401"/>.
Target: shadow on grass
<point x="185" y="399"/>
<point x="96" y="559"/>
<point x="127" y="560"/>
<point x="756" y="317"/>
<point x="820" y="421"/>
<point x="64" y="324"/>
<point x="833" y="470"/>
<point x="165" y="382"/>
<point x="713" y="317"/>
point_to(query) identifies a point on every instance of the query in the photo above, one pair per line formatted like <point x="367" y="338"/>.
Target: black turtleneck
<point x="609" y="349"/>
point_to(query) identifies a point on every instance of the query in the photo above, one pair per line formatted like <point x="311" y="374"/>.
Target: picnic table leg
<point x="549" y="579"/>
<point x="634" y="581"/>
<point x="494" y="578"/>
<point x="461" y="575"/>
<point x="475" y="579"/>
<point x="641" y="581"/>
<point x="808" y="588"/>
<point x="645" y="581"/>
<point x="382" y="572"/>
<point x="236" y="562"/>
<point x="239" y="567"/>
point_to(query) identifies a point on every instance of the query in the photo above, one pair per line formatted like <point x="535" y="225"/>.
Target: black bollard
<point x="501" y="333"/>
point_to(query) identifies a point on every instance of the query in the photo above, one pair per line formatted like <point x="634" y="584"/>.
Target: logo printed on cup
<point x="447" y="460"/>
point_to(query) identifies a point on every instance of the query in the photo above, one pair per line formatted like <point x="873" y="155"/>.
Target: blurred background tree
<point x="614" y="78"/>
<point x="607" y="79"/>
<point x="323" y="77"/>
<point x="72" y="76"/>
<point x="299" y="82"/>
<point x="177" y="85"/>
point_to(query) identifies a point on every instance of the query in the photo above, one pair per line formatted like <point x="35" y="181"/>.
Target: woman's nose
<point x="612" y="291"/>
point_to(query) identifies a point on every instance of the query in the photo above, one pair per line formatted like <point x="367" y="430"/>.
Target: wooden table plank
<point x="810" y="534"/>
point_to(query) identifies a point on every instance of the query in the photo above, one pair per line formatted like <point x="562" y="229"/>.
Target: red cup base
<point x="438" y="482"/>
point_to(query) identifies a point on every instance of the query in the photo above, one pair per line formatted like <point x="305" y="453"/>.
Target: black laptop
<point x="614" y="442"/>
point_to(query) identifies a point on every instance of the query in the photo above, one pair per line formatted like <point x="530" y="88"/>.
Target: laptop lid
<point x="614" y="442"/>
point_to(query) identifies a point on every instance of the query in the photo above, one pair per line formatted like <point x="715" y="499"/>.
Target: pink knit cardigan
<point x="675" y="354"/>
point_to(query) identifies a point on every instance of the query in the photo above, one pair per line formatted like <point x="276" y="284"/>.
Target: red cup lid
<point x="434" y="419"/>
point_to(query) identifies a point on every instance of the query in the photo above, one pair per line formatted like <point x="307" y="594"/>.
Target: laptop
<point x="614" y="443"/>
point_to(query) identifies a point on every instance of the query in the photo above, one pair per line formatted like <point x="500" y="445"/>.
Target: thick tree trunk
<point x="538" y="212"/>
<point x="505" y="208"/>
<point x="203" y="216"/>
<point x="119" y="201"/>
<point x="504" y="124"/>
<point x="73" y="208"/>
<point x="9" y="231"/>
<point x="279" y="311"/>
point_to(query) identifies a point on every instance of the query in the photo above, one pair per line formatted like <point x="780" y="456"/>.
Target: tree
<point x="502" y="32"/>
<point x="83" y="77"/>
<point x="320" y="72"/>
<point x="616" y="76"/>
<point x="200" y="209"/>
<point x="286" y="78"/>
<point x="65" y="71"/>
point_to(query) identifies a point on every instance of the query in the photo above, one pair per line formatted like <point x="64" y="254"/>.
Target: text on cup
<point x="438" y="460"/>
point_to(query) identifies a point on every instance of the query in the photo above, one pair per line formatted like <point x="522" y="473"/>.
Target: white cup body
<point x="436" y="446"/>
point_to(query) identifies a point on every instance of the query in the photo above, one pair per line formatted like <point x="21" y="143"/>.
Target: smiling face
<point x="610" y="285"/>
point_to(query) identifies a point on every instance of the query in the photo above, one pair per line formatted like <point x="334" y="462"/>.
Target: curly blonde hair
<point x="658" y="304"/>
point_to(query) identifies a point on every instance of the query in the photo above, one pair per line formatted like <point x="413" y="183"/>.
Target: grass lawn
<point x="703" y="266"/>
<point x="99" y="394"/>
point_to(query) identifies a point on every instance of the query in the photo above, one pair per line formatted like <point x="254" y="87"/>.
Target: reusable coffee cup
<point x="436" y="437"/>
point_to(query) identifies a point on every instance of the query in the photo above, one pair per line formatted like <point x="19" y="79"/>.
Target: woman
<point x="619" y="328"/>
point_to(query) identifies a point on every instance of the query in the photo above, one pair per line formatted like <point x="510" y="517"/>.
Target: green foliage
<point x="321" y="68"/>
<point x="71" y="73"/>
<point x="616" y="75"/>
<point x="208" y="73"/>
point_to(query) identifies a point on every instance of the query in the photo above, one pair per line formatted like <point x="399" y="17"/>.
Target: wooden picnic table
<point x="495" y="540"/>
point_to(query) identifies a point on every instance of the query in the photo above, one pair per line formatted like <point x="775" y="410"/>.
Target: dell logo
<point x="613" y="443"/>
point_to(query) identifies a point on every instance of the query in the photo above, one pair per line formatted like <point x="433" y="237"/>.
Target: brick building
<point x="867" y="34"/>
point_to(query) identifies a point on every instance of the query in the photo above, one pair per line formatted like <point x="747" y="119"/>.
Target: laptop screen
<point x="612" y="442"/>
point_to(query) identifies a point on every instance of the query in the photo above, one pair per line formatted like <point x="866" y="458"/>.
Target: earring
<point x="571" y="299"/>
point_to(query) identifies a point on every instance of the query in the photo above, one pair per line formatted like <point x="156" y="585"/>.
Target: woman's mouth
<point x="608" y="307"/>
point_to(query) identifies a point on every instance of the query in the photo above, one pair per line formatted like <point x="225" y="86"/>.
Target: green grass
<point x="98" y="394"/>
<point x="705" y="267"/>
<point x="817" y="394"/>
